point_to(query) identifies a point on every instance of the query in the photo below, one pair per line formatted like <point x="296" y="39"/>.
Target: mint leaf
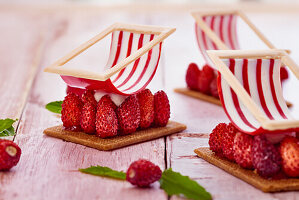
<point x="173" y="183"/>
<point x="6" y="128"/>
<point x="54" y="106"/>
<point x="104" y="171"/>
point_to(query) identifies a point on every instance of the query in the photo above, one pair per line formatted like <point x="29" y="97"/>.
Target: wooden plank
<point x="48" y="167"/>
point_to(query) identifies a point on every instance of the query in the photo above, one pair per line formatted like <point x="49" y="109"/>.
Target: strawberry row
<point x="106" y="119"/>
<point x="204" y="80"/>
<point x="270" y="160"/>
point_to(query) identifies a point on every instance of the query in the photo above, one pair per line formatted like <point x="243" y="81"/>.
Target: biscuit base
<point x="204" y="97"/>
<point x="116" y="142"/>
<point x="249" y="176"/>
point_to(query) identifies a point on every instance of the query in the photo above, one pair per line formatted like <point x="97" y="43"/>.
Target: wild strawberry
<point x="289" y="150"/>
<point x="265" y="157"/>
<point x="88" y="118"/>
<point x="128" y="114"/>
<point x="10" y="154"/>
<point x="228" y="137"/>
<point x="192" y="76"/>
<point x="214" y="89"/>
<point x="71" y="111"/>
<point x="216" y="138"/>
<point x="106" y="119"/>
<point x="143" y="173"/>
<point x="146" y="105"/>
<point x="88" y="97"/>
<point x="106" y="100"/>
<point x="242" y="150"/>
<point x="205" y="78"/>
<point x="77" y="91"/>
<point x="162" y="108"/>
<point x="284" y="73"/>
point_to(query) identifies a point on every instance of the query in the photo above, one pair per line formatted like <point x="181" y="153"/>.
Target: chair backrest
<point x="224" y="26"/>
<point x="134" y="57"/>
<point x="251" y="94"/>
<point x="137" y="75"/>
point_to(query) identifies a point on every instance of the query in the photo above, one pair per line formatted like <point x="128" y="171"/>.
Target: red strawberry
<point x="143" y="173"/>
<point x="242" y="150"/>
<point x="162" y="108"/>
<point x="128" y="114"/>
<point x="106" y="119"/>
<point x="10" y="154"/>
<point x="228" y="137"/>
<point x="289" y="150"/>
<point x="106" y="100"/>
<point x="88" y="118"/>
<point x="192" y="76"/>
<point x="265" y="157"/>
<point x="215" y="140"/>
<point x="205" y="78"/>
<point x="77" y="91"/>
<point x="146" y="105"/>
<point x="88" y="97"/>
<point x="284" y="73"/>
<point x="214" y="89"/>
<point x="71" y="112"/>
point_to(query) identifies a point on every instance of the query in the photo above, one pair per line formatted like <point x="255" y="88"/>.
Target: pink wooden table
<point x="32" y="38"/>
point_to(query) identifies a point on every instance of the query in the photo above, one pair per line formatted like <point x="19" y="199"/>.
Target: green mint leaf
<point x="6" y="128"/>
<point x="54" y="106"/>
<point x="104" y="171"/>
<point x="173" y="183"/>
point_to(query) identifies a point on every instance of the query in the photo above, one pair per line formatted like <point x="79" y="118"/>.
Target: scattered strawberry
<point x="106" y="118"/>
<point x="106" y="100"/>
<point x="228" y="137"/>
<point x="242" y="150"/>
<point x="214" y="89"/>
<point x="88" y="118"/>
<point x="143" y="173"/>
<point x="88" y="97"/>
<point x="128" y="114"/>
<point x="146" y="105"/>
<point x="71" y="111"/>
<point x="10" y="154"/>
<point x="284" y="73"/>
<point x="192" y="76"/>
<point x="203" y="84"/>
<point x="208" y="71"/>
<point x="162" y="108"/>
<point x="265" y="157"/>
<point x="215" y="140"/>
<point x="289" y="150"/>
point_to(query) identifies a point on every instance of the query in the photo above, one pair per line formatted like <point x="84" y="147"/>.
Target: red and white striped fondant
<point x="133" y="78"/>
<point x="261" y="79"/>
<point x="224" y="26"/>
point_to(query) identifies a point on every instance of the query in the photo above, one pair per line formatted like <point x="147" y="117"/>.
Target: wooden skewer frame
<point x="162" y="32"/>
<point x="197" y="15"/>
<point x="217" y="55"/>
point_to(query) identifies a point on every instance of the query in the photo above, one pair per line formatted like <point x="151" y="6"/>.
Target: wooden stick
<point x="282" y="124"/>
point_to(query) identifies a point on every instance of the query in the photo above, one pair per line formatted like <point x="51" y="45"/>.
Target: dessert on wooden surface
<point x="114" y="101"/>
<point x="261" y="137"/>
<point x="216" y="30"/>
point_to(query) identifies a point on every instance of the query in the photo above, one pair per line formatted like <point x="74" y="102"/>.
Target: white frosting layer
<point x="116" y="98"/>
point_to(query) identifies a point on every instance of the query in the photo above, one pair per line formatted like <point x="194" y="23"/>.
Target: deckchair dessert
<point x="216" y="30"/>
<point x="259" y="146"/>
<point x="111" y="108"/>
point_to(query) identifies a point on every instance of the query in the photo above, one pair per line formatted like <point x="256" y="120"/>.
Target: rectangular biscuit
<point x="117" y="141"/>
<point x="249" y="176"/>
<point x="204" y="97"/>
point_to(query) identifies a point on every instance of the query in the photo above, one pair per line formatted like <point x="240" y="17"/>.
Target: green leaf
<point x="6" y="128"/>
<point x="54" y="106"/>
<point x="173" y="183"/>
<point x="104" y="171"/>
